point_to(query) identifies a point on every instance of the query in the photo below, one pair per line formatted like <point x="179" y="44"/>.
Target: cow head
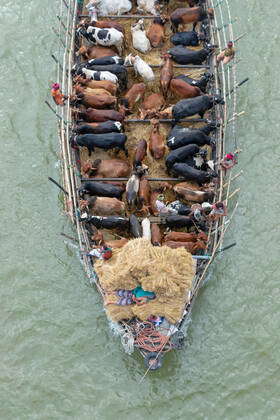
<point x="217" y="99"/>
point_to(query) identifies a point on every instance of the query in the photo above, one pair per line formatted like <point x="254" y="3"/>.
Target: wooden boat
<point x="154" y="342"/>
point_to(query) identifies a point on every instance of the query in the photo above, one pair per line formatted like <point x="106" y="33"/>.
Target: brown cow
<point x="140" y="153"/>
<point x="96" y="51"/>
<point x="103" y="206"/>
<point x="117" y="243"/>
<point x="99" y="115"/>
<point x="109" y="86"/>
<point x="189" y="15"/>
<point x="155" y="33"/>
<point x="156" y="141"/>
<point x="96" y="101"/>
<point x="103" y="24"/>
<point x="151" y="105"/>
<point x="91" y="91"/>
<point x="144" y="192"/>
<point x="113" y="168"/>
<point x="183" y="89"/>
<point x="133" y="95"/>
<point x="166" y="74"/>
<point x="193" y="192"/>
<point x="156" y="235"/>
<point x="192" y="247"/>
<point x="185" y="237"/>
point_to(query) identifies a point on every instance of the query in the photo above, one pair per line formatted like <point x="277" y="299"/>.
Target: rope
<point x="148" y="338"/>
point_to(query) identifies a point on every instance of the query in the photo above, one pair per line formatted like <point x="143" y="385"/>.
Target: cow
<point x="146" y="6"/>
<point x="110" y="222"/>
<point x="193" y="193"/>
<point x="156" y="141"/>
<point x="135" y="227"/>
<point x="132" y="188"/>
<point x="95" y="52"/>
<point x="103" y="206"/>
<point x="189" y="246"/>
<point x="116" y="69"/>
<point x="151" y="105"/>
<point x="156" y="235"/>
<point x="193" y="15"/>
<point x="133" y="95"/>
<point x="184" y="138"/>
<point x="144" y="193"/>
<point x="185" y="237"/>
<point x="99" y="115"/>
<point x="105" y="141"/>
<point x="140" y="153"/>
<point x="192" y="106"/>
<point x="111" y="87"/>
<point x="104" y="24"/>
<point x="199" y="83"/>
<point x="187" y="38"/>
<point x="166" y="74"/>
<point x="192" y="174"/>
<point x="181" y="154"/>
<point x="183" y="55"/>
<point x="99" y="128"/>
<point x="140" y="67"/>
<point x="100" y="189"/>
<point x="104" y="37"/>
<point x="179" y="221"/>
<point x="94" y="100"/>
<point x="79" y="88"/>
<point x="139" y="38"/>
<point x="98" y="75"/>
<point x="104" y="61"/>
<point x="155" y="32"/>
<point x="182" y="89"/>
<point x="110" y="168"/>
<point x="117" y="243"/>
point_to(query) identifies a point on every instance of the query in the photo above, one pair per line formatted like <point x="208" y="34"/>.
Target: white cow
<point x="147" y="6"/>
<point x="112" y="7"/>
<point x="140" y="67"/>
<point x="139" y="39"/>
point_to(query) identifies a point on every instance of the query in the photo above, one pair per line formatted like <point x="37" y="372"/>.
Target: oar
<point x="238" y="85"/>
<point x="57" y="184"/>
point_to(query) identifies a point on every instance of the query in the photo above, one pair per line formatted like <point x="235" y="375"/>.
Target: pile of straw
<point x="166" y="272"/>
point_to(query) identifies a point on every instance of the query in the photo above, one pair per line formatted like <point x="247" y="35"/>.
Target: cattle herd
<point x="112" y="85"/>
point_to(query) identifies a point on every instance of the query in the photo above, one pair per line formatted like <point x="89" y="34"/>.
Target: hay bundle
<point x="165" y="271"/>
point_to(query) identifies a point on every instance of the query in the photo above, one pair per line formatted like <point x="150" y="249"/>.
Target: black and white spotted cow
<point x="105" y="37"/>
<point x="98" y="75"/>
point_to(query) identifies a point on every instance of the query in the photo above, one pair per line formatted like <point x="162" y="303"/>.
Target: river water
<point x="58" y="358"/>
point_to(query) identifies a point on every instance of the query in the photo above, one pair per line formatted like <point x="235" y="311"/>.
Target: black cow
<point x="104" y="61"/>
<point x="99" y="128"/>
<point x="103" y="141"/>
<point x="192" y="106"/>
<point x="187" y="38"/>
<point x="192" y="174"/>
<point x="110" y="222"/>
<point x="100" y="189"/>
<point x="179" y="221"/>
<point x="182" y="55"/>
<point x="181" y="154"/>
<point x="135" y="227"/>
<point x="182" y="136"/>
<point x="200" y="83"/>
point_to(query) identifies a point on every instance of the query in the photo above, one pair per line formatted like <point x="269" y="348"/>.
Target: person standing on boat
<point x="227" y="54"/>
<point x="228" y="161"/>
<point x="219" y="209"/>
<point x="58" y="97"/>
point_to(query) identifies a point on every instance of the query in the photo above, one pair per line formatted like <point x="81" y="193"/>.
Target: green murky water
<point x="58" y="359"/>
